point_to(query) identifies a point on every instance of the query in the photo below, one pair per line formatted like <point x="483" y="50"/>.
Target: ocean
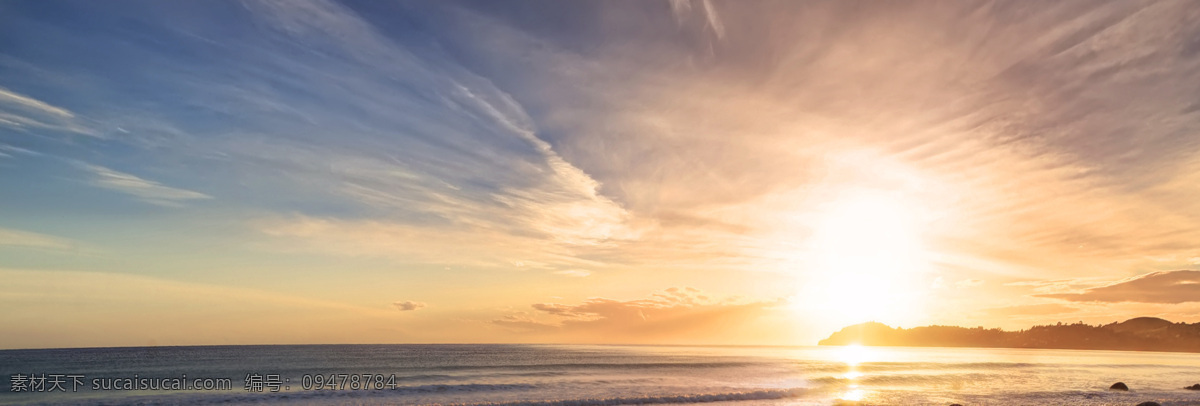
<point x="581" y="375"/>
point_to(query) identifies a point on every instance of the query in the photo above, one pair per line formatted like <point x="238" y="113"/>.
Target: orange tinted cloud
<point x="674" y="315"/>
<point x="408" y="305"/>
<point x="1155" y="287"/>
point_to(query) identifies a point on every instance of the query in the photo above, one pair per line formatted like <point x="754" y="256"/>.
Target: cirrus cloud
<point x="146" y="190"/>
<point x="1156" y="287"/>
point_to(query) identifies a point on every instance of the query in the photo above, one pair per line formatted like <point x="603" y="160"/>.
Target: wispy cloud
<point x="1155" y="287"/>
<point x="578" y="273"/>
<point x="967" y="136"/>
<point x="146" y="190"/>
<point x="969" y="283"/>
<point x="24" y="113"/>
<point x="458" y="149"/>
<point x="687" y="10"/>
<point x="13" y="99"/>
<point x="676" y="314"/>
<point x="9" y="151"/>
<point x="1042" y="309"/>
<point x="18" y="238"/>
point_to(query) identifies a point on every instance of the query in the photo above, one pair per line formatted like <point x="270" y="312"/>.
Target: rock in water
<point x="1118" y="386"/>
<point x="1193" y="387"/>
<point x="1148" y="404"/>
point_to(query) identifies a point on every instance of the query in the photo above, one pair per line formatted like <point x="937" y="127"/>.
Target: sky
<point x="652" y="172"/>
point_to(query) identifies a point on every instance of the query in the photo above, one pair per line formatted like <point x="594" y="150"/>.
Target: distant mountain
<point x="1138" y="334"/>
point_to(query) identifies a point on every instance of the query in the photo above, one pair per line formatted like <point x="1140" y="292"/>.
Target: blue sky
<point x="544" y="171"/>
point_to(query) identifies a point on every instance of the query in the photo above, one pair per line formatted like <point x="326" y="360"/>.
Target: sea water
<point x="600" y="375"/>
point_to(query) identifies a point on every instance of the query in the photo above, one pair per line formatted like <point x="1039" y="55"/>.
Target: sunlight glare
<point x="853" y="395"/>
<point x="854" y="354"/>
<point x="869" y="259"/>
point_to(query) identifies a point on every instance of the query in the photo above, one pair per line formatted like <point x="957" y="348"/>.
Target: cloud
<point x="1055" y="286"/>
<point x="714" y="20"/>
<point x="10" y="98"/>
<point x="488" y="247"/>
<point x="18" y="238"/>
<point x="684" y="10"/>
<point x="998" y="162"/>
<point x="1042" y="309"/>
<point x="1155" y="287"/>
<point x="544" y="144"/>
<point x="147" y="190"/>
<point x="675" y="314"/>
<point x="8" y="151"/>
<point x="969" y="283"/>
<point x="24" y="113"/>
<point x="408" y="305"/>
<point x="461" y="156"/>
<point x="522" y="321"/>
<point x="578" y="273"/>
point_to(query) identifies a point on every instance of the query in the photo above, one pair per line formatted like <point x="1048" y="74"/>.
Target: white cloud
<point x="18" y="238"/>
<point x="969" y="283"/>
<point x="488" y="174"/>
<point x="11" y="98"/>
<point x="147" y="190"/>
<point x="8" y="151"/>
<point x="683" y="10"/>
<point x="21" y="112"/>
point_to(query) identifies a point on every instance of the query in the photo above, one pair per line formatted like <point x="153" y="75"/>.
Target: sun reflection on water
<point x="853" y="356"/>
<point x="854" y="394"/>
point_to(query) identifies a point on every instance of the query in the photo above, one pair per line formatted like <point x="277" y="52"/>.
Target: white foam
<point x="768" y="394"/>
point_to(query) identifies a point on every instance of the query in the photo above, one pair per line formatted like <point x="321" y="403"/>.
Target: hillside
<point x="1138" y="334"/>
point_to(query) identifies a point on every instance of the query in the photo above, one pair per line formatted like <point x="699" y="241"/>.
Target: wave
<point x="907" y="379"/>
<point x="473" y="376"/>
<point x="765" y="394"/>
<point x="601" y="365"/>
<point x="385" y="395"/>
<point x="470" y="387"/>
<point x="942" y="366"/>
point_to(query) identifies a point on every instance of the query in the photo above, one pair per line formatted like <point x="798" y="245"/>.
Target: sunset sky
<point x="750" y="172"/>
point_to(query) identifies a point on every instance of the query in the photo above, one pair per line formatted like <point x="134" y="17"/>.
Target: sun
<point x="867" y="259"/>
